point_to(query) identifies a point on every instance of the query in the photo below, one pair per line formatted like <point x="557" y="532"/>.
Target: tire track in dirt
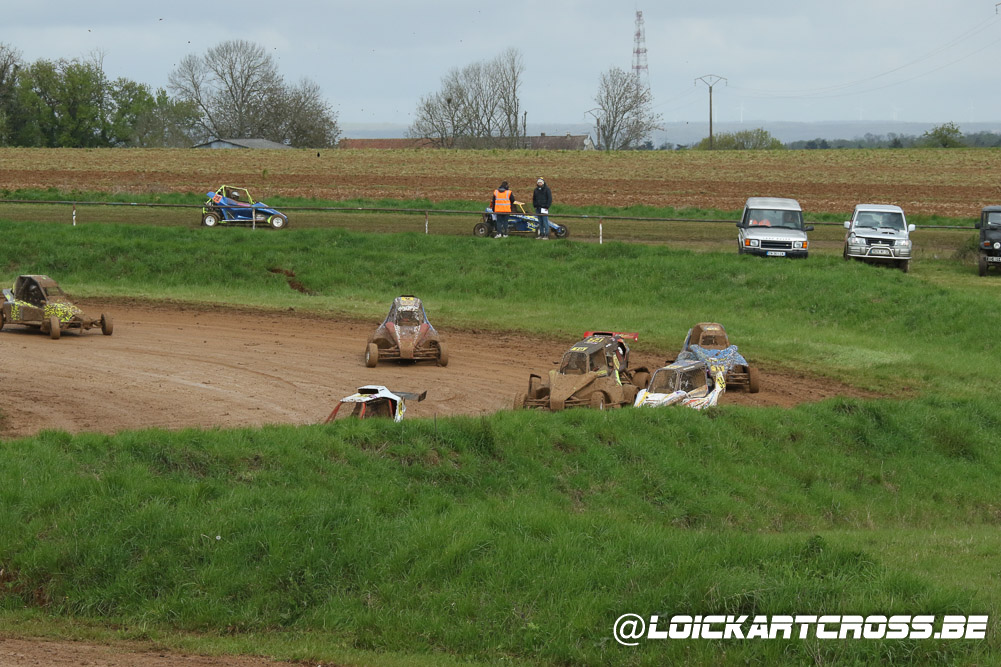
<point x="175" y="366"/>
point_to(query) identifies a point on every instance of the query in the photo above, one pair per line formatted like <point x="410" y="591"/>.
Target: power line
<point x="842" y="89"/>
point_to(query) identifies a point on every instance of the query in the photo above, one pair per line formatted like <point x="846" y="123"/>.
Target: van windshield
<point x="876" y="219"/>
<point x="764" y="217"/>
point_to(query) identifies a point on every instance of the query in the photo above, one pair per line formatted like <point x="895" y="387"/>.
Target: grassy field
<point x="522" y="536"/>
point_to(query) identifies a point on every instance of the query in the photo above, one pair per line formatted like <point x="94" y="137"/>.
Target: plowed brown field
<point x="954" y="183"/>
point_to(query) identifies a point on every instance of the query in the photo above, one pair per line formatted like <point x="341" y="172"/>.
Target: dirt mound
<point x="176" y="366"/>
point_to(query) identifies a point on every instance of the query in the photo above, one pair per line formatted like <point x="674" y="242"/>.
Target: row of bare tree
<point x="478" y="106"/>
<point x="239" y="93"/>
<point x="235" y="90"/>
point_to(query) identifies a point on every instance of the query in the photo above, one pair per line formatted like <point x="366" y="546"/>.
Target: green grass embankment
<point x="524" y="535"/>
<point x="521" y="535"/>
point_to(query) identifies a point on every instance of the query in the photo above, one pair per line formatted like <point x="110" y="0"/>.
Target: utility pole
<point x="710" y="80"/>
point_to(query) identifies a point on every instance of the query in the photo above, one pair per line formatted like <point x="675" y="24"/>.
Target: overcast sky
<point x="783" y="60"/>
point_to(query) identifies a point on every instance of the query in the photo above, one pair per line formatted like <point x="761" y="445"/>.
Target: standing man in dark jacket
<point x="542" y="199"/>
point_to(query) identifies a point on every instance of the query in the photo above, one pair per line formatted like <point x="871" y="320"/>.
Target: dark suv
<point x="990" y="238"/>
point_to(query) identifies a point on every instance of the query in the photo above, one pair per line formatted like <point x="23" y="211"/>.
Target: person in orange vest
<point x="501" y="206"/>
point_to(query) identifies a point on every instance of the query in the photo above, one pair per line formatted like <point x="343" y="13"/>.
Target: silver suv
<point x="878" y="233"/>
<point x="773" y="227"/>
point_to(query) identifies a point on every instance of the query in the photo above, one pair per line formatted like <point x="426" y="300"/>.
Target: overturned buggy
<point x="374" y="400"/>
<point x="405" y="334"/>
<point x="37" y="301"/>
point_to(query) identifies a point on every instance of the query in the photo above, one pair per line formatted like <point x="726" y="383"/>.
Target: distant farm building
<point x="385" y="143"/>
<point x="568" y="142"/>
<point x="241" y="143"/>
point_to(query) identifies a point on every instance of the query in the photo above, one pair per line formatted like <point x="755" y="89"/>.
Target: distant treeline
<point x="947" y="135"/>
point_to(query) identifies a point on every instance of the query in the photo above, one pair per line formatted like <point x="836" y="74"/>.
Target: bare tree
<point x="624" y="116"/>
<point x="477" y="106"/>
<point x="239" y="93"/>
<point x="10" y="64"/>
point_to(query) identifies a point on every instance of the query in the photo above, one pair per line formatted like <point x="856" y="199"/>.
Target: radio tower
<point x="640" y="68"/>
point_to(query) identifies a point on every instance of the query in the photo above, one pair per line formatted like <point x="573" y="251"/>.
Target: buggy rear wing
<point x="635" y="337"/>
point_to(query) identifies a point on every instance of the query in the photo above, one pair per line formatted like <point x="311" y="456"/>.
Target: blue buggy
<point x="517" y="223"/>
<point x="232" y="205"/>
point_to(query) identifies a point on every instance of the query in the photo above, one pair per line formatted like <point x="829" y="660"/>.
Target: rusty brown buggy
<point x="594" y="373"/>
<point x="405" y="334"/>
<point x="37" y="301"/>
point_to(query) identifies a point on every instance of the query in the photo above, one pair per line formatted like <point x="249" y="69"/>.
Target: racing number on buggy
<point x="578" y="348"/>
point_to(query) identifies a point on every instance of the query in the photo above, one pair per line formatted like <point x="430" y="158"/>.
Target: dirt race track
<point x="175" y="366"/>
<point x="49" y="653"/>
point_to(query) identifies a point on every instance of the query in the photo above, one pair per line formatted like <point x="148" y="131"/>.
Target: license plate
<point x="880" y="251"/>
<point x="993" y="259"/>
<point x="779" y="253"/>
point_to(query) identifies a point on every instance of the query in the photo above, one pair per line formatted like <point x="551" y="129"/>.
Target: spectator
<point x="542" y="199"/>
<point x="501" y="206"/>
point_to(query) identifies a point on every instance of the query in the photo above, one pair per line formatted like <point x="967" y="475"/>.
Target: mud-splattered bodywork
<point x="406" y="334"/>
<point x="38" y="301"/>
<point x="594" y="372"/>
<point x="712" y="336"/>
<point x="695" y="384"/>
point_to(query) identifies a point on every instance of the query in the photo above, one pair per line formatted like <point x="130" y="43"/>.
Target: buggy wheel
<point x="753" y="381"/>
<point x="561" y="232"/>
<point x="210" y="219"/>
<point x="278" y="222"/>
<point x="641" y="379"/>
<point x="442" y="354"/>
<point x="598" y="400"/>
<point x="3" y="319"/>
<point x="481" y="229"/>
<point x="371" y="355"/>
<point x="54" y="329"/>
<point x="519" y="401"/>
<point x="982" y="265"/>
<point x="107" y="324"/>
